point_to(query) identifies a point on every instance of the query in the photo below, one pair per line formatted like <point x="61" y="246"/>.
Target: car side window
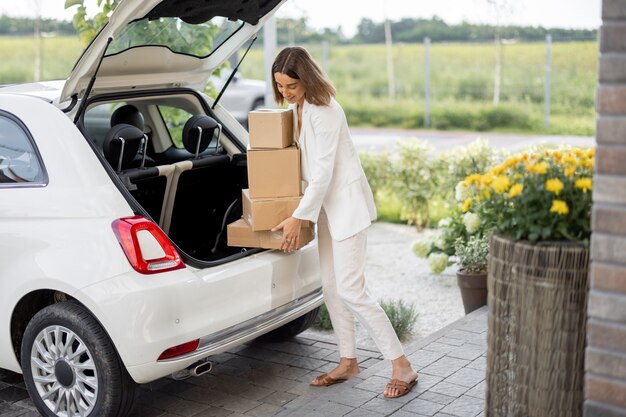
<point x="20" y="162"/>
<point x="175" y="119"/>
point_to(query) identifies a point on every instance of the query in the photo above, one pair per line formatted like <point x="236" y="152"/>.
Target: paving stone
<point x="303" y="388"/>
<point x="264" y="410"/>
<point x="450" y="341"/>
<point x="437" y="397"/>
<point x="382" y="405"/>
<point x="306" y="378"/>
<point x="322" y="353"/>
<point x="426" y="382"/>
<point x="327" y="367"/>
<point x="466" y="377"/>
<point x="479" y="363"/>
<point x="439" y="347"/>
<point x="186" y="408"/>
<point x="465" y="406"/>
<point x="26" y="403"/>
<point x="304" y="340"/>
<point x="479" y="391"/>
<point x="279" y="398"/>
<point x="234" y="403"/>
<point x="352" y="397"/>
<point x="360" y="412"/>
<point x="214" y="412"/>
<point x="402" y="413"/>
<point x="142" y="410"/>
<point x="307" y="363"/>
<point x="467" y="336"/>
<point x="201" y="394"/>
<point x="222" y="357"/>
<point x="12" y="394"/>
<point x="467" y="351"/>
<point x="445" y="366"/>
<point x="423" y="358"/>
<point x="369" y="362"/>
<point x="375" y="384"/>
<point x="292" y="372"/>
<point x="423" y="407"/>
<point x="256" y="392"/>
<point x="447" y="388"/>
<point x="318" y="408"/>
<point x="10" y="410"/>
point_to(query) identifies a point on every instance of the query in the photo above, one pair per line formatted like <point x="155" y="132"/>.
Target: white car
<point x="242" y="94"/>
<point x="115" y="190"/>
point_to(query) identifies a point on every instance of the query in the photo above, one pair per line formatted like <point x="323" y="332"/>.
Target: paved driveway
<point x="266" y="379"/>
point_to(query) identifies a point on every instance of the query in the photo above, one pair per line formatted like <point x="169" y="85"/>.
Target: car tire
<point x="291" y="329"/>
<point x="86" y="374"/>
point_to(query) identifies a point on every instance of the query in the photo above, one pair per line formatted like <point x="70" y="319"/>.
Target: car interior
<point x="177" y="162"/>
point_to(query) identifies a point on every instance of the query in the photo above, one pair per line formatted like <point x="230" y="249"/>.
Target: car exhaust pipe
<point x="196" y="369"/>
<point x="201" y="368"/>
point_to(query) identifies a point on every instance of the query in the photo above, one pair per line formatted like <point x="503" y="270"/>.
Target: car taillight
<point x="180" y="350"/>
<point x="147" y="248"/>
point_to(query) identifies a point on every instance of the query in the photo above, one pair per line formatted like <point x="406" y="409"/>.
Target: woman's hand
<point x="291" y="233"/>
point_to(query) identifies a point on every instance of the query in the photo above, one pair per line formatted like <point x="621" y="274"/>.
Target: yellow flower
<point x="579" y="152"/>
<point x="557" y="154"/>
<point x="559" y="207"/>
<point x="541" y="167"/>
<point x="467" y="204"/>
<point x="473" y="179"/>
<point x="500" y="184"/>
<point x="530" y="167"/>
<point x="588" y="163"/>
<point x="486" y="193"/>
<point x="554" y="185"/>
<point x="516" y="189"/>
<point x="486" y="179"/>
<point x="570" y="159"/>
<point x="591" y="152"/>
<point x="584" y="184"/>
<point x="497" y="170"/>
<point x="570" y="171"/>
<point x="511" y="162"/>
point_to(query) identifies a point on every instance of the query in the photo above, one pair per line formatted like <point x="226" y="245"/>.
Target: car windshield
<point x="198" y="40"/>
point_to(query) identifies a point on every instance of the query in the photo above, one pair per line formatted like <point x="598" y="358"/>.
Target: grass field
<point x="462" y="78"/>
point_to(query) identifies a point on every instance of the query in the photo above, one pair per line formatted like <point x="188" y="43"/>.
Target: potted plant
<point x="471" y="257"/>
<point x="538" y="205"/>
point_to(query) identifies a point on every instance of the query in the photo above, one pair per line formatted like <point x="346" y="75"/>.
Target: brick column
<point x="605" y="362"/>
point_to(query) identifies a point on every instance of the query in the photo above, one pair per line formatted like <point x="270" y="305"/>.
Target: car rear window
<point x="20" y="163"/>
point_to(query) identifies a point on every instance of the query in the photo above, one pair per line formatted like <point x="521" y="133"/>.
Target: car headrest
<point x="199" y="128"/>
<point x="121" y="145"/>
<point x="129" y="115"/>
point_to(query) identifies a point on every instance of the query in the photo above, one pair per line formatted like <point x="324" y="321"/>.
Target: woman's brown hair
<point x="297" y="63"/>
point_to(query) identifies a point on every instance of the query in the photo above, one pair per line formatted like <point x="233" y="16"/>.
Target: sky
<point x="348" y="13"/>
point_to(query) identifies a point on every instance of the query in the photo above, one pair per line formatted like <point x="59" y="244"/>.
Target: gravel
<point x="393" y="272"/>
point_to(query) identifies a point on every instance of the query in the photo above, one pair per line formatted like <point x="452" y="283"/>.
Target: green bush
<point x="501" y="116"/>
<point x="414" y="181"/>
<point x="322" y="321"/>
<point x="401" y="315"/>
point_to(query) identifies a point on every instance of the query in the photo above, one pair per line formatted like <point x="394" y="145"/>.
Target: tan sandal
<point x="326" y="380"/>
<point x="402" y="387"/>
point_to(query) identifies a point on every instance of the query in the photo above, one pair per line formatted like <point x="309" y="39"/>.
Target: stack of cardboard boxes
<point x="274" y="182"/>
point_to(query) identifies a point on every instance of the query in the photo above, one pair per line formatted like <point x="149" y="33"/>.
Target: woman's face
<point x="290" y="88"/>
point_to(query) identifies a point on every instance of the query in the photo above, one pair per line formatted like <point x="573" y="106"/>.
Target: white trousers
<point x="342" y="266"/>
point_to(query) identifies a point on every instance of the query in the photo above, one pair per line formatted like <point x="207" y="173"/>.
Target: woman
<point x="339" y="199"/>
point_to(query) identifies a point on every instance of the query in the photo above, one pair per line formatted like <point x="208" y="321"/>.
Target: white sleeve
<point x="324" y="143"/>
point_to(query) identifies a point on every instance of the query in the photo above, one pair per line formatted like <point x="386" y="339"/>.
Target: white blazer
<point x="332" y="169"/>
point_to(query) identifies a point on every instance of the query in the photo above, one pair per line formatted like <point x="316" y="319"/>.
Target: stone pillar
<point x="605" y="360"/>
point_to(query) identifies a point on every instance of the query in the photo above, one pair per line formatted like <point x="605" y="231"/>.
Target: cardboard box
<point x="265" y="213"/>
<point x="270" y="128"/>
<point x="274" y="172"/>
<point x="241" y="235"/>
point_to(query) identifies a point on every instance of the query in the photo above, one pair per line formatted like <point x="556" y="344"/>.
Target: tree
<point x="88" y="28"/>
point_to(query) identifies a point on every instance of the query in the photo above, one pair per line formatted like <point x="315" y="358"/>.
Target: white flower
<point x="421" y="247"/>
<point x="443" y="223"/>
<point x="438" y="262"/>
<point x="471" y="222"/>
<point x="461" y="191"/>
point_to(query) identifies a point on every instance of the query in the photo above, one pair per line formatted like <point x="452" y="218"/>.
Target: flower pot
<point x="473" y="286"/>
<point x="536" y="328"/>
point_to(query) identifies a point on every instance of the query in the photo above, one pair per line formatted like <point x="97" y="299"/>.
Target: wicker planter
<point x="473" y="286"/>
<point x="537" y="322"/>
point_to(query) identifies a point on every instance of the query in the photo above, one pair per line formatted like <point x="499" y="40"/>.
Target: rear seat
<point x="203" y="189"/>
<point x="148" y="185"/>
